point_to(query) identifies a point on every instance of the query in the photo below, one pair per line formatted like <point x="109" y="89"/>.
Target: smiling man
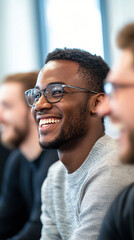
<point x="119" y="105"/>
<point x="80" y="187"/>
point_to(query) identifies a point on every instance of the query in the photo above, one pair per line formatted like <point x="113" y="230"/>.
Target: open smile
<point x="48" y="123"/>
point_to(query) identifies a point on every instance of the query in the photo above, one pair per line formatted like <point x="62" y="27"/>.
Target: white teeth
<point x="48" y="121"/>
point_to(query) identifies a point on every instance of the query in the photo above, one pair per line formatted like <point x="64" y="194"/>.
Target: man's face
<point x="120" y="104"/>
<point x="60" y="123"/>
<point x="14" y="124"/>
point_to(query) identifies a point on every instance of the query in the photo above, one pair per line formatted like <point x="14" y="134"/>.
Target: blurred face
<point x="60" y="123"/>
<point x="119" y="105"/>
<point x="14" y="114"/>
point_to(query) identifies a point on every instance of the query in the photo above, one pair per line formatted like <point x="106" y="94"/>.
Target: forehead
<point x="59" y="71"/>
<point x="123" y="72"/>
<point x="10" y="92"/>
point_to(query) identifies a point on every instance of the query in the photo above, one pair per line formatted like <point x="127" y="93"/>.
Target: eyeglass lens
<point x="108" y="88"/>
<point x="53" y="93"/>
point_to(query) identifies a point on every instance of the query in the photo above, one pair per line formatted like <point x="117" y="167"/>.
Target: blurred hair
<point x="125" y="38"/>
<point x="27" y="80"/>
<point x="91" y="68"/>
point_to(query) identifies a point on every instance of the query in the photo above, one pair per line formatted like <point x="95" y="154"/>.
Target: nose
<point x="42" y="103"/>
<point x="104" y="108"/>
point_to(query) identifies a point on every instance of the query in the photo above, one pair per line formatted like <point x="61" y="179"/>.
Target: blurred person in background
<point x="26" y="167"/>
<point x="119" y="106"/>
<point x="4" y="153"/>
<point x="78" y="189"/>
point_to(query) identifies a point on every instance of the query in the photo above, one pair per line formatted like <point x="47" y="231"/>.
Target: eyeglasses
<point x="110" y="88"/>
<point x="53" y="93"/>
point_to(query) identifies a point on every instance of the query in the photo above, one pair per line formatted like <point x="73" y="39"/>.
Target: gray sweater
<point x="74" y="205"/>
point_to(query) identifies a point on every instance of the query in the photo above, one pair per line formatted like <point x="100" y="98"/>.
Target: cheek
<point x="127" y="107"/>
<point x="15" y="118"/>
<point x="118" y="107"/>
<point x="68" y="114"/>
<point x="33" y="113"/>
<point x="9" y="117"/>
<point x="128" y="118"/>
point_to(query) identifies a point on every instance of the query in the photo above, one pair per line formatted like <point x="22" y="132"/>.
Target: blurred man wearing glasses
<point x="80" y="187"/>
<point x="119" y="105"/>
<point x="26" y="167"/>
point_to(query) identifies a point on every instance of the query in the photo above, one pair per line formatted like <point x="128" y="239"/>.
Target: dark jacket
<point x="118" y="223"/>
<point x="20" y="202"/>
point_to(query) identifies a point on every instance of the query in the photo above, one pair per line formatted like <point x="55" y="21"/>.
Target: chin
<point x="57" y="143"/>
<point x="8" y="144"/>
<point x="11" y="142"/>
<point x="48" y="145"/>
<point x="126" y="145"/>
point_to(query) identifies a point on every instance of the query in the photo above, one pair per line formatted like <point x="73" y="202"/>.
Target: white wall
<point x="119" y="12"/>
<point x="18" y="37"/>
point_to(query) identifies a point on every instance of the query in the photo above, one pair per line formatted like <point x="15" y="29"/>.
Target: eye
<point x="115" y="88"/>
<point x="36" y="95"/>
<point x="56" y="92"/>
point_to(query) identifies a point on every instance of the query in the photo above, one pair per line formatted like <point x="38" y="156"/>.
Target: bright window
<point x="74" y="24"/>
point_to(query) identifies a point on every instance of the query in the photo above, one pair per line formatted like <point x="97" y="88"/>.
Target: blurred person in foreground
<point x="26" y="167"/>
<point x="119" y="106"/>
<point x="80" y="187"/>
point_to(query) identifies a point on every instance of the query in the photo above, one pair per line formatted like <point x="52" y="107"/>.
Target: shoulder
<point x="109" y="174"/>
<point x="56" y="170"/>
<point x="105" y="151"/>
<point x="13" y="166"/>
<point x="122" y="208"/>
<point x="109" y="156"/>
<point x="109" y="151"/>
<point x="125" y="201"/>
<point x="56" y="175"/>
<point x="119" y="221"/>
<point x="14" y="158"/>
<point x="112" y="165"/>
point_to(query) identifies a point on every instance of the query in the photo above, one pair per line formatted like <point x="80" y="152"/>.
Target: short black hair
<point x="91" y="67"/>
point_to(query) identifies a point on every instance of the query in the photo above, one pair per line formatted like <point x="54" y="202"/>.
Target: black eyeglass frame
<point x="62" y="90"/>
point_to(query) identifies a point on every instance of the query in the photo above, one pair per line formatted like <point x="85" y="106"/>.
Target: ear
<point x="95" y="101"/>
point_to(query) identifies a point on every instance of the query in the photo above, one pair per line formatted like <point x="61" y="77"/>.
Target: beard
<point x="18" y="135"/>
<point x="128" y="157"/>
<point x="75" y="129"/>
<point x="16" y="140"/>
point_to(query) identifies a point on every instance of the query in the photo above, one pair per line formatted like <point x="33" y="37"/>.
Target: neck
<point x="73" y="154"/>
<point x="30" y="147"/>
